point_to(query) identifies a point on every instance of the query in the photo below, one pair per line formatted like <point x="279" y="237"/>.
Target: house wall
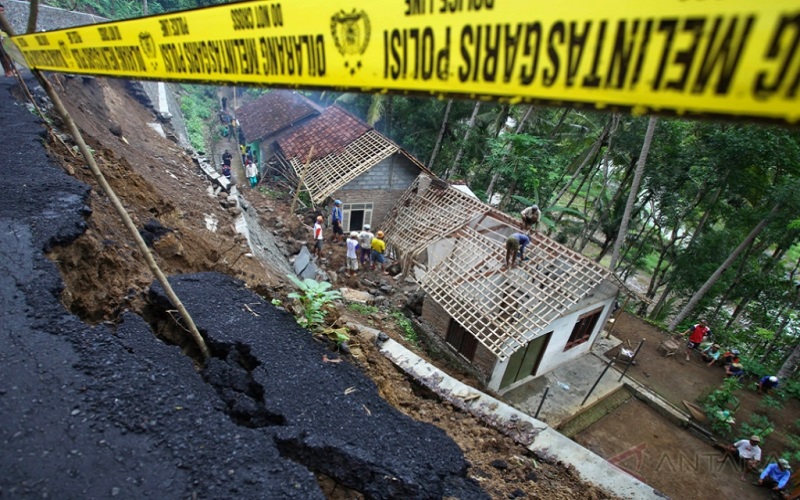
<point x="435" y="317"/>
<point x="555" y="354"/>
<point x="382" y="185"/>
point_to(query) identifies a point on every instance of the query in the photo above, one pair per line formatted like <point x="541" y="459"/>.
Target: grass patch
<point x="362" y="308"/>
<point x="407" y="327"/>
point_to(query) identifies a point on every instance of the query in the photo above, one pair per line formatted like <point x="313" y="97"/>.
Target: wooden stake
<point x="302" y="178"/>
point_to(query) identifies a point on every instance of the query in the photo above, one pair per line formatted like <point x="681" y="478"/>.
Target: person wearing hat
<point x="318" y="237"/>
<point x="378" y="249"/>
<point x="767" y="383"/>
<point x="365" y="243"/>
<point x="730" y="357"/>
<point x="352" y="256"/>
<point x="530" y="217"/>
<point x="711" y="354"/>
<point x="775" y="475"/>
<point x="696" y="335"/>
<point x="735" y="369"/>
<point x="336" y="221"/>
<point x="746" y="451"/>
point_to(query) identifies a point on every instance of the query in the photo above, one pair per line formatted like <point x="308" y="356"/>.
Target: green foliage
<point x="792" y="388"/>
<point x="720" y="404"/>
<point x="405" y="324"/>
<point x="758" y="425"/>
<point x="771" y="402"/>
<point x="362" y="308"/>
<point x="276" y="302"/>
<point x="269" y="193"/>
<point x="197" y="103"/>
<point x="126" y="9"/>
<point x="313" y="297"/>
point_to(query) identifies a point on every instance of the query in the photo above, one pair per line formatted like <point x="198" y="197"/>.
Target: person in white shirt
<point x="251" y="170"/>
<point x="747" y="452"/>
<point x="365" y="243"/>
<point x="352" y="258"/>
<point x="318" y="237"/>
<point x="530" y="217"/>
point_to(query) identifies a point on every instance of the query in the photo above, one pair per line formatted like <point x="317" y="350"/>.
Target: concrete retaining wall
<point x="536" y="435"/>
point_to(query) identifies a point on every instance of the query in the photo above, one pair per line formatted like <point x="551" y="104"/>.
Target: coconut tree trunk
<point x="442" y="130"/>
<point x="790" y="365"/>
<point x="637" y="179"/>
<point x="593" y="150"/>
<point x="496" y="176"/>
<point x="463" y="146"/>
<point x="712" y="280"/>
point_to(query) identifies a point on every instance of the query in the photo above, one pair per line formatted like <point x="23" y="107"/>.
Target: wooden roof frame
<point x="503" y="309"/>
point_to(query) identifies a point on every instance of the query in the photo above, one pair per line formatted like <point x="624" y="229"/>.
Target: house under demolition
<point x="333" y="153"/>
<point x="510" y="325"/>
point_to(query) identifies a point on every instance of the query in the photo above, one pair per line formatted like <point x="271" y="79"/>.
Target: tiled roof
<point x="274" y="112"/>
<point x="330" y="132"/>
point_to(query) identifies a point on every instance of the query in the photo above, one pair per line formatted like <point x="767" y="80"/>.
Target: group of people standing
<point x="248" y="160"/>
<point x="363" y="248"/>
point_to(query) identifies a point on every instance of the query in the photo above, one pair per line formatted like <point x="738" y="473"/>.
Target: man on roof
<point x="515" y="244"/>
<point x="530" y="217"/>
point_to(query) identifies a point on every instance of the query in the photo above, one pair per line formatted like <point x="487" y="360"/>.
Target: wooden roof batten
<point x="502" y="309"/>
<point x="326" y="175"/>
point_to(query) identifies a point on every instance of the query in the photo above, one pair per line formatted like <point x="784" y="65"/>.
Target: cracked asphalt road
<point x="111" y="411"/>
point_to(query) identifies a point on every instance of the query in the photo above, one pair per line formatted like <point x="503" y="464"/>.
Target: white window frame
<point x="349" y="207"/>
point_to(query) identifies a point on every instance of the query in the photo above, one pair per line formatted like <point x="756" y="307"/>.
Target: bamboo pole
<point x="126" y="219"/>
<point x="302" y="178"/>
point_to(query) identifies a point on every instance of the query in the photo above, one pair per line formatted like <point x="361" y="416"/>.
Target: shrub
<point x="759" y="425"/>
<point x="313" y="297"/>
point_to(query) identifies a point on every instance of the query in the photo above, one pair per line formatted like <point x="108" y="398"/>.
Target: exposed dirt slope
<point x="157" y="181"/>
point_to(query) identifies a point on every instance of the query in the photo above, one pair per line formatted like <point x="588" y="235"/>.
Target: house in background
<point x="509" y="325"/>
<point x="273" y="113"/>
<point x="338" y="156"/>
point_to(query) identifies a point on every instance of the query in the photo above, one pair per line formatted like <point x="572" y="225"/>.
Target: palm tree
<point x="632" y="195"/>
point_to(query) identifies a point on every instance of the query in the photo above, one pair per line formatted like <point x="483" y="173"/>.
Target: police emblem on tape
<point x="351" y="32"/>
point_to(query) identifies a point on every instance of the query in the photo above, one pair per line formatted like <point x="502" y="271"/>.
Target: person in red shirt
<point x="696" y="335"/>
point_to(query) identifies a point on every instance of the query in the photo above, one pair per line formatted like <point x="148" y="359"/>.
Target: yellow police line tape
<point x="732" y="58"/>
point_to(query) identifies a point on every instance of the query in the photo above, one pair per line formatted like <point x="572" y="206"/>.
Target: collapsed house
<point x="509" y="325"/>
<point x="332" y="153"/>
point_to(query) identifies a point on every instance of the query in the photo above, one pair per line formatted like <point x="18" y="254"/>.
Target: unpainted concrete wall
<point x="435" y="317"/>
<point x="394" y="172"/>
<point x="383" y="185"/>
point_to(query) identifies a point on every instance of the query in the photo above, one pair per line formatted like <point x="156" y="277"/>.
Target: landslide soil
<point x="193" y="231"/>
